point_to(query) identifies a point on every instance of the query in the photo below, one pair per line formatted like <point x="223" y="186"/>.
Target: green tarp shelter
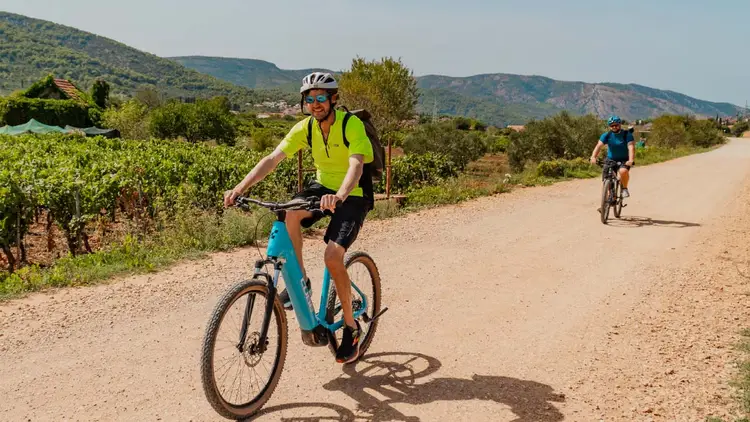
<point x="33" y="126"/>
<point x="95" y="131"/>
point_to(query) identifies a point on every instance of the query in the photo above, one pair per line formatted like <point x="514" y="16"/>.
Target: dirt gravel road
<point x="520" y="307"/>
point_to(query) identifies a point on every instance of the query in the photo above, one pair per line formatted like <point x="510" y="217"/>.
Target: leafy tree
<point x="704" y="133"/>
<point x="560" y="136"/>
<point x="150" y="97"/>
<point x="443" y="138"/>
<point x="170" y="121"/>
<point x="497" y="143"/>
<point x="668" y="131"/>
<point x="212" y="120"/>
<point x="462" y="123"/>
<point x="100" y="92"/>
<point x="480" y="126"/>
<point x="386" y="88"/>
<point x="131" y="119"/>
<point x="202" y="121"/>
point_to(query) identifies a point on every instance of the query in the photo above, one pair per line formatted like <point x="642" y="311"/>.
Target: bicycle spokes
<point x="242" y="369"/>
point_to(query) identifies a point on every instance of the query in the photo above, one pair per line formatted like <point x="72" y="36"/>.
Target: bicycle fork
<point x="267" y="314"/>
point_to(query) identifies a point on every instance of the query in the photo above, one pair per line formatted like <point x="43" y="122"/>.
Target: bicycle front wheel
<point x="239" y="373"/>
<point x="618" y="200"/>
<point x="606" y="192"/>
<point x="364" y="274"/>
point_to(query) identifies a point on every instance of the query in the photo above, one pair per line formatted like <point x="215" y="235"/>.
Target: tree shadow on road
<point x="394" y="376"/>
<point x="635" y="221"/>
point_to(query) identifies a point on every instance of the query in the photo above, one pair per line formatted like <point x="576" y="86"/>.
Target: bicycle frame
<point x="610" y="171"/>
<point x="280" y="253"/>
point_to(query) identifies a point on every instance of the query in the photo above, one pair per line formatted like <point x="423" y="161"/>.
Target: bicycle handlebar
<point x="309" y="204"/>
<point x="601" y="163"/>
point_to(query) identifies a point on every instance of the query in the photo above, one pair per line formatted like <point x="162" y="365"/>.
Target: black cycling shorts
<point x="609" y="163"/>
<point x="345" y="223"/>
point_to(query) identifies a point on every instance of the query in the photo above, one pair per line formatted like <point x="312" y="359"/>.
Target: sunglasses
<point x="614" y="125"/>
<point x="321" y="98"/>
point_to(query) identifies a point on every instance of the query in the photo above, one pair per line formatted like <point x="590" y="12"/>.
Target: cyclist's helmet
<point x="614" y="119"/>
<point x="318" y="80"/>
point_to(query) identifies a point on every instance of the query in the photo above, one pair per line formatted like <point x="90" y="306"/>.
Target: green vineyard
<point x="76" y="183"/>
<point x="77" y="180"/>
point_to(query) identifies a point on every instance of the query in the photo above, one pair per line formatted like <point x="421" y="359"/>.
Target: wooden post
<point x="18" y="235"/>
<point x="299" y="171"/>
<point x="78" y="216"/>
<point x="388" y="173"/>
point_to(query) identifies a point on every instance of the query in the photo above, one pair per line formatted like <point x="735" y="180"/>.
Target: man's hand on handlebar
<point x="330" y="202"/>
<point x="327" y="203"/>
<point x="229" y="197"/>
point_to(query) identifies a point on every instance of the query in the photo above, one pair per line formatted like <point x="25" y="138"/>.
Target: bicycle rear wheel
<point x="618" y="200"/>
<point x="232" y="353"/>
<point x="606" y="192"/>
<point x="364" y="274"/>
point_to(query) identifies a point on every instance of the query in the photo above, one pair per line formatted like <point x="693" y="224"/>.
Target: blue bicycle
<point x="239" y="372"/>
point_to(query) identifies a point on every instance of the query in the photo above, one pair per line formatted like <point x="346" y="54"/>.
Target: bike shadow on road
<point x="394" y="378"/>
<point x="635" y="222"/>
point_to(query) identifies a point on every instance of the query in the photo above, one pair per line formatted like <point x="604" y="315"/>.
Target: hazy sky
<point x="698" y="48"/>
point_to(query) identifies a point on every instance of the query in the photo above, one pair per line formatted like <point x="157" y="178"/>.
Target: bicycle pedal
<point x="368" y="320"/>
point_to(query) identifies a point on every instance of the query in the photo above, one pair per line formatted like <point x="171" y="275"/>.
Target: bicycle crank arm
<point x="368" y="320"/>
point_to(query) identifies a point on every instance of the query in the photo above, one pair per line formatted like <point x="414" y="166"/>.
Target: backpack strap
<point x="347" y="116"/>
<point x="309" y="131"/>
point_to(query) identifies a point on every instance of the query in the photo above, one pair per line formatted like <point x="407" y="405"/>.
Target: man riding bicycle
<point x="341" y="176"/>
<point x="620" y="148"/>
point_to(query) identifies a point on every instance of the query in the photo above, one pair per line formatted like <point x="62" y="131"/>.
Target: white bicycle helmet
<point x="318" y="80"/>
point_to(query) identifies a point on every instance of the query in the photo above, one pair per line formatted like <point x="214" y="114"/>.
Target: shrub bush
<point x="668" y="131"/>
<point x="443" y="138"/>
<point x="131" y="119"/>
<point x="497" y="144"/>
<point x="740" y="128"/>
<point x="413" y="171"/>
<point x="564" y="168"/>
<point x="672" y="131"/>
<point x="561" y="136"/>
<point x="704" y="133"/>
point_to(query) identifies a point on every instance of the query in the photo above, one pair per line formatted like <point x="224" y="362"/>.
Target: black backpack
<point x="629" y="130"/>
<point x="378" y="152"/>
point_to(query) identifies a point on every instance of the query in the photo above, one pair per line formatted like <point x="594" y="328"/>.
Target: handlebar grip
<point x="315" y="206"/>
<point x="241" y="202"/>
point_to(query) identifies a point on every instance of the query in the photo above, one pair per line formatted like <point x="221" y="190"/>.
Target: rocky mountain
<point x="495" y="98"/>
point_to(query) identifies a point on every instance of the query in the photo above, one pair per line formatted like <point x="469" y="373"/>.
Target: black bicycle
<point x="611" y="189"/>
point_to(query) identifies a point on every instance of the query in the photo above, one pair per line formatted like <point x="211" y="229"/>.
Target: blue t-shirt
<point x="617" y="144"/>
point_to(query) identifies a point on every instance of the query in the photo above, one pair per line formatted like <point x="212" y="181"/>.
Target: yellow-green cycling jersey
<point x="331" y="158"/>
